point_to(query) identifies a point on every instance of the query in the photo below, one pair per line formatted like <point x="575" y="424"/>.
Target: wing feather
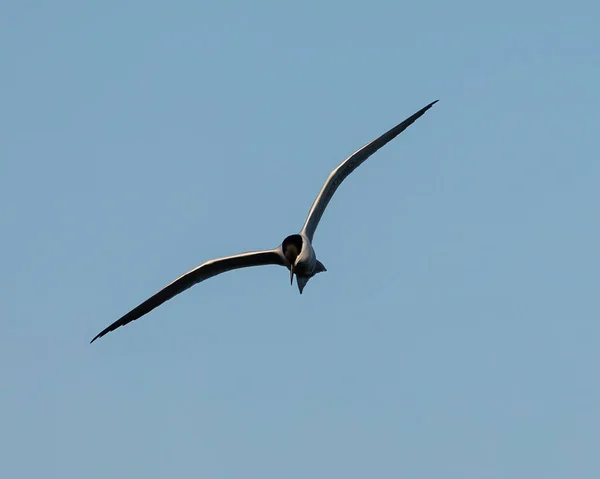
<point x="204" y="271"/>
<point x="348" y="166"/>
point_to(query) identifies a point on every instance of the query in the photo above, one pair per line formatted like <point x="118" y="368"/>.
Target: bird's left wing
<point x="348" y="166"/>
<point x="189" y="279"/>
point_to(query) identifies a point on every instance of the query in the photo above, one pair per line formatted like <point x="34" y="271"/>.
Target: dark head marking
<point x="291" y="247"/>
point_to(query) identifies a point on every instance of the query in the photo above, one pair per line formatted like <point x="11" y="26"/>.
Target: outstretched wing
<point x="348" y="166"/>
<point x="189" y="279"/>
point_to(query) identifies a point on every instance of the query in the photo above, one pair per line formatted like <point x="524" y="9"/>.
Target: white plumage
<point x="296" y="252"/>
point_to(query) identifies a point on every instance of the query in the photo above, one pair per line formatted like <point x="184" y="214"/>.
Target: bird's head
<point x="301" y="260"/>
<point x="292" y="246"/>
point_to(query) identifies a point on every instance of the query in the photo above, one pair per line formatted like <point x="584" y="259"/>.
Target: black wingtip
<point x="99" y="335"/>
<point x="422" y="111"/>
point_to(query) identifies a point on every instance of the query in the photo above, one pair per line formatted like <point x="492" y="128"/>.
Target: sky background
<point x="456" y="333"/>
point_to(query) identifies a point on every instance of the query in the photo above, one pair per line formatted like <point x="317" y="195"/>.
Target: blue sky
<point x="456" y="331"/>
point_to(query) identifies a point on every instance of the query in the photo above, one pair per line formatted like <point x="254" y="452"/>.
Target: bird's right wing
<point x="348" y="166"/>
<point x="189" y="279"/>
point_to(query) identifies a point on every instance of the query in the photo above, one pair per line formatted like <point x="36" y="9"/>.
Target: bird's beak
<point x="292" y="273"/>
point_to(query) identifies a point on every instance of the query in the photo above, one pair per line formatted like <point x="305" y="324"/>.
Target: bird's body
<point x="300" y="259"/>
<point x="295" y="253"/>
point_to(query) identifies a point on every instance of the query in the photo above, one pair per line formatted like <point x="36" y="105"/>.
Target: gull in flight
<point x="296" y="253"/>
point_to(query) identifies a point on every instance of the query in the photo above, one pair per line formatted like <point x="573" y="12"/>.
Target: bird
<point x="296" y="252"/>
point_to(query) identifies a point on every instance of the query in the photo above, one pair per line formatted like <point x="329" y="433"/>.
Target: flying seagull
<point x="295" y="253"/>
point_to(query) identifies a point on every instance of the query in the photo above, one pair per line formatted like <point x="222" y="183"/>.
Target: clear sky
<point x="456" y="333"/>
